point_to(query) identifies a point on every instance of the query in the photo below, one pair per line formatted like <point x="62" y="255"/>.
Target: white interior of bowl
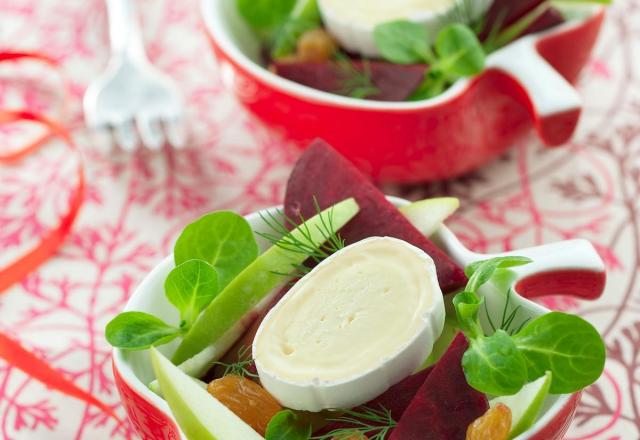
<point x="235" y="38"/>
<point x="135" y="367"/>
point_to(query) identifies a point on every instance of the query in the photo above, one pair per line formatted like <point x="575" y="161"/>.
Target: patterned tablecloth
<point x="135" y="206"/>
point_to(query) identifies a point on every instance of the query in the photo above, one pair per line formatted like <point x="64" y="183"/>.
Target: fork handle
<point x="124" y="30"/>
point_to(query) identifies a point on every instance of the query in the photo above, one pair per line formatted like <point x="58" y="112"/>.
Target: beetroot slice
<point x="396" y="399"/>
<point x="395" y="82"/>
<point x="321" y="172"/>
<point x="445" y="405"/>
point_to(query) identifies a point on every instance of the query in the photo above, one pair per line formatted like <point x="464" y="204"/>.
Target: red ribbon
<point x="21" y="358"/>
<point x="11" y="350"/>
<point x="54" y="237"/>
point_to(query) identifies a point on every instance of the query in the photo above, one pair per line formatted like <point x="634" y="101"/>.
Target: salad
<point x="404" y="50"/>
<point x="352" y="325"/>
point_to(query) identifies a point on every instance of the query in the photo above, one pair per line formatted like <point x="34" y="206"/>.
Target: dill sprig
<point x="241" y="366"/>
<point x="375" y="424"/>
<point x="508" y="317"/>
<point x="302" y="242"/>
<point x="357" y="83"/>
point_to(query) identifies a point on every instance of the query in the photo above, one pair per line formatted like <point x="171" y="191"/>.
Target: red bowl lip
<point x="215" y="30"/>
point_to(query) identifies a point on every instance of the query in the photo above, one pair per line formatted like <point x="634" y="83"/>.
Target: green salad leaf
<point x="139" y="330"/>
<point x="567" y="345"/>
<point x="459" y="51"/>
<point x="466" y="304"/>
<point x="494" y="365"/>
<point x="481" y="272"/>
<point x="304" y="17"/>
<point x="208" y="254"/>
<point x="402" y="42"/>
<point x="287" y="425"/>
<point x="500" y="364"/>
<point x="434" y="83"/>
<point x="223" y="239"/>
<point x="265" y="15"/>
<point x="190" y="287"/>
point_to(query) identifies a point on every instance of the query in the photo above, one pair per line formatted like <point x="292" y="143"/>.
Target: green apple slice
<point x="440" y="347"/>
<point x="428" y="214"/>
<point x="199" y="364"/>
<point x="255" y="282"/>
<point x="155" y="385"/>
<point x="525" y="405"/>
<point x="200" y="415"/>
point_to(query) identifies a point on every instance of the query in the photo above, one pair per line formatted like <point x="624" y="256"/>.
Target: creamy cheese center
<point x="372" y="12"/>
<point x="358" y="308"/>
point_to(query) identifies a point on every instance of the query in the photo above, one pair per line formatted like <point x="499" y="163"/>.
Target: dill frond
<point x="240" y="367"/>
<point x="357" y="83"/>
<point x="302" y="242"/>
<point x="375" y="424"/>
<point x="508" y="318"/>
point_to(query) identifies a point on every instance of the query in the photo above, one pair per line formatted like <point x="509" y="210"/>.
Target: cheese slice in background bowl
<point x="359" y="322"/>
<point x="351" y="22"/>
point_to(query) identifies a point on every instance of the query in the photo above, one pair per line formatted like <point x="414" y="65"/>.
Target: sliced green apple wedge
<point x="200" y="415"/>
<point x="449" y="332"/>
<point x="199" y="364"/>
<point x="428" y="214"/>
<point x="255" y="282"/>
<point x="155" y="385"/>
<point x="525" y="405"/>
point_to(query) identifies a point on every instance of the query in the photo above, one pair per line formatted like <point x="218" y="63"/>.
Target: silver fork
<point x="131" y="98"/>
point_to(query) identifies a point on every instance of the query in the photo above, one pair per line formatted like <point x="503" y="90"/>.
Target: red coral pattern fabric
<point x="135" y="205"/>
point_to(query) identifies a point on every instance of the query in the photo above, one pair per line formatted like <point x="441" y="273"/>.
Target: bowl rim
<point x="125" y="371"/>
<point x="215" y="26"/>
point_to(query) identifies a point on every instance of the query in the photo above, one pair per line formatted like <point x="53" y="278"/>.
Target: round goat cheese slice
<point x="359" y="322"/>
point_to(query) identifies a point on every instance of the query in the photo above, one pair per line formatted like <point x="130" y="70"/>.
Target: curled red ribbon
<point x="10" y="350"/>
<point x="53" y="238"/>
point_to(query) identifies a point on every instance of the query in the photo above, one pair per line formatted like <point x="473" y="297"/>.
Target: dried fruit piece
<point x="315" y="45"/>
<point x="248" y="400"/>
<point x="495" y="424"/>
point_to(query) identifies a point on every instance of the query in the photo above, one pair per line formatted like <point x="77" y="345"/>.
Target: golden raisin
<point x="286" y="59"/>
<point x="246" y="399"/>
<point x="495" y="424"/>
<point x="315" y="45"/>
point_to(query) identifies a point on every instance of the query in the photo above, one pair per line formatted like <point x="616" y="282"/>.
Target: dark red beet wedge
<point x="394" y="82"/>
<point x="445" y="404"/>
<point x="321" y="172"/>
<point x="396" y="400"/>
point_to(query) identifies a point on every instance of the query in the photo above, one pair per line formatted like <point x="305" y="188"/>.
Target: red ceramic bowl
<point x="526" y="83"/>
<point x="572" y="267"/>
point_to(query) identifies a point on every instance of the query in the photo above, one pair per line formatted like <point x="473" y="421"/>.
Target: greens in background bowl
<point x="396" y="51"/>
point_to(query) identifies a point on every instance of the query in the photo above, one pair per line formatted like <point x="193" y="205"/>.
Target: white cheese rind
<point x="361" y="321"/>
<point x="352" y="22"/>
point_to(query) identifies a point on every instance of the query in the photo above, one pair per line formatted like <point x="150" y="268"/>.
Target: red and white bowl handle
<point x="552" y="101"/>
<point x="571" y="267"/>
